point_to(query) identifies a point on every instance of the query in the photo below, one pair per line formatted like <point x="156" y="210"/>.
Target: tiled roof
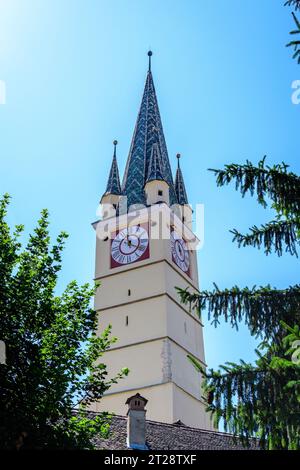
<point x="155" y="168"/>
<point x="161" y="436"/>
<point x="148" y="156"/>
<point x="113" y="184"/>
<point x="180" y="186"/>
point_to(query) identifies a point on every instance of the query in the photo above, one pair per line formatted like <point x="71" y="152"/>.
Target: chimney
<point x="136" y="422"/>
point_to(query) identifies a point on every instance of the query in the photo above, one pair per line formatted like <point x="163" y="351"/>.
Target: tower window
<point x="183" y="219"/>
<point x="160" y="192"/>
<point x="126" y="320"/>
<point x="129" y="292"/>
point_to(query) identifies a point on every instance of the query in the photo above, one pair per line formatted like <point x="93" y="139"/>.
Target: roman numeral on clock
<point x="129" y="245"/>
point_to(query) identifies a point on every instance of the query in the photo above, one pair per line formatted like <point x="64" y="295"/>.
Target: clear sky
<point x="74" y="73"/>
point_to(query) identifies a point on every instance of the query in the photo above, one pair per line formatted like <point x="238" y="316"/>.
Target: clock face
<point x="180" y="252"/>
<point x="130" y="245"/>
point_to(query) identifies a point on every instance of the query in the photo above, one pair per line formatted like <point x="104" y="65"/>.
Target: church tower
<point x="145" y="248"/>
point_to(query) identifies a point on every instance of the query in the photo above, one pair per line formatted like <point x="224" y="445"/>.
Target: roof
<point x="180" y="186"/>
<point x="148" y="132"/>
<point x="161" y="436"/>
<point x="113" y="183"/>
<point x="155" y="167"/>
<point x="148" y="158"/>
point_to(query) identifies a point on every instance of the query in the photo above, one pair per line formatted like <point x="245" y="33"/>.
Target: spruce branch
<point x="272" y="236"/>
<point x="296" y="43"/>
<point x="261" y="309"/>
<point x="293" y="3"/>
<point x="276" y="183"/>
<point x="254" y="400"/>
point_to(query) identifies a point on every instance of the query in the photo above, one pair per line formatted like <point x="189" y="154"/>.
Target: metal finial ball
<point x="150" y="53"/>
<point x="178" y="155"/>
<point x="115" y="142"/>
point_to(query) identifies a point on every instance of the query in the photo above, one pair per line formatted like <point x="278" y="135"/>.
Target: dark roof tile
<point x="162" y="436"/>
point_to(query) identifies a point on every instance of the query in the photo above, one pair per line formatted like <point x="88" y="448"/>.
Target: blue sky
<point x="74" y="73"/>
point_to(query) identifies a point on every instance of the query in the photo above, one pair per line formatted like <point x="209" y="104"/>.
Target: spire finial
<point x="178" y="155"/>
<point x="150" y="53"/>
<point x="115" y="142"/>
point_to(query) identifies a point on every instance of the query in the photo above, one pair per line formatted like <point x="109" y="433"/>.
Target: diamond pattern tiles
<point x="113" y="184"/>
<point x="148" y="132"/>
<point x="180" y="187"/>
<point x="155" y="166"/>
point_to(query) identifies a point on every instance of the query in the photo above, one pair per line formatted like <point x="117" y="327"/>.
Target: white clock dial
<point x="180" y="252"/>
<point x="129" y="245"/>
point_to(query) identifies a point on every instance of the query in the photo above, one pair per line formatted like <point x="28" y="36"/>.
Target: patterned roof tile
<point x="113" y="184"/>
<point x="148" y="131"/>
<point x="180" y="186"/>
<point x="155" y="167"/>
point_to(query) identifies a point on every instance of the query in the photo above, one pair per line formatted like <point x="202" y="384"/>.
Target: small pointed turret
<point x="113" y="184"/>
<point x="183" y="209"/>
<point x="156" y="186"/>
<point x="179" y="185"/>
<point x="112" y="195"/>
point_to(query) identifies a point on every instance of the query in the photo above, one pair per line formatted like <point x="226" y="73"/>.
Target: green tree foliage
<point x="293" y="3"/>
<point x="260" y="399"/>
<point x="52" y="348"/>
<point x="295" y="44"/>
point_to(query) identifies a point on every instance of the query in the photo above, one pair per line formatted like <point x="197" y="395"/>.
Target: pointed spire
<point x="113" y="184"/>
<point x="179" y="184"/>
<point x="155" y="170"/>
<point x="148" y="131"/>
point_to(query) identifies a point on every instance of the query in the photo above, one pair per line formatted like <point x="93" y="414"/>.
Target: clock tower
<point x="145" y="248"/>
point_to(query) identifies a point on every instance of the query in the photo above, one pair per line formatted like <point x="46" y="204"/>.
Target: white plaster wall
<point x="143" y="283"/>
<point x="158" y="366"/>
<point x="185" y="329"/>
<point x="167" y="403"/>
<point x="152" y="189"/>
<point x="189" y="410"/>
<point x="146" y="321"/>
<point x="159" y="406"/>
<point x="144" y="361"/>
<point x="184" y="373"/>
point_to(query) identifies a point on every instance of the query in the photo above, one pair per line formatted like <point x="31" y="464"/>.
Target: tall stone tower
<point x="143" y="252"/>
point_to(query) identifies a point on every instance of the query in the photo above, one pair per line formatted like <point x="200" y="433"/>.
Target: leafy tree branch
<point x="53" y="345"/>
